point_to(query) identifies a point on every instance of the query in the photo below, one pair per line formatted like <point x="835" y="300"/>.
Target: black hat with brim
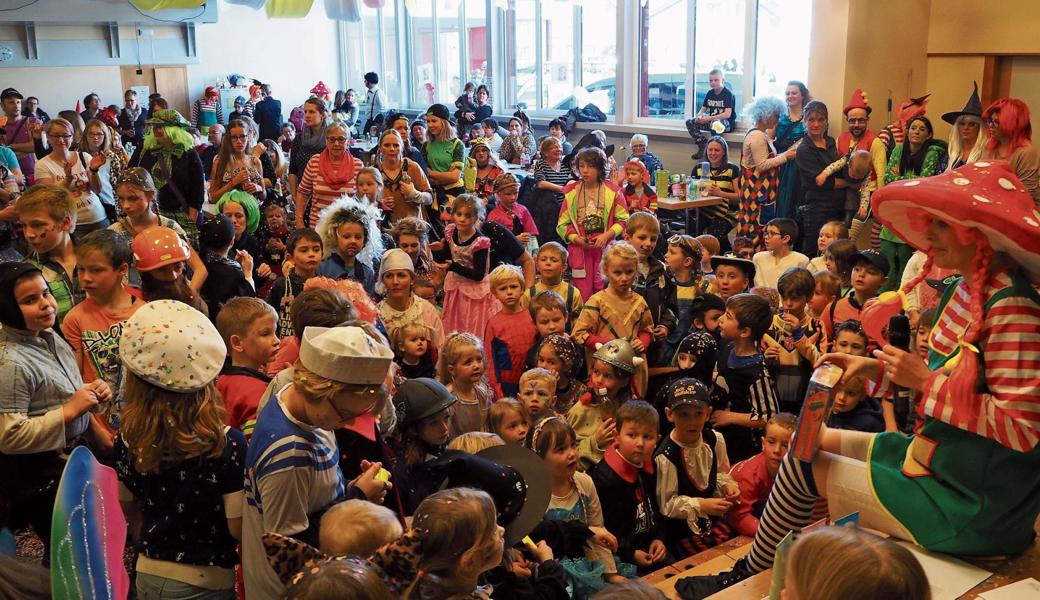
<point x="734" y="261"/>
<point x="589" y="140"/>
<point x="973" y="108"/>
<point x="515" y="478"/>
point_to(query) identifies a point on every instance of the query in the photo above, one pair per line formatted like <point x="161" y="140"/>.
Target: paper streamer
<point x="88" y="533"/>
<point x="253" y="4"/>
<point x="167" y="4"/>
<point x="288" y="9"/>
<point x="344" y="10"/>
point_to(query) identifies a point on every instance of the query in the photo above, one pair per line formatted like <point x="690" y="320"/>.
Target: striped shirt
<point x="1008" y="412"/>
<point x="544" y="172"/>
<point x="316" y="190"/>
<point x="292" y="473"/>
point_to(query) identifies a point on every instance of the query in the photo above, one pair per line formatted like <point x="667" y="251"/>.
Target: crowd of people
<point x="324" y="372"/>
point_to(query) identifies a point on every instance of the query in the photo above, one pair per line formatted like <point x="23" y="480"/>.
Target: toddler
<point x="274" y="239"/>
<point x="509" y="420"/>
<point x="358" y="528"/>
<point x="836" y="259"/>
<point x="413" y="351"/>
<point x="510" y="335"/>
<point x="461" y="368"/>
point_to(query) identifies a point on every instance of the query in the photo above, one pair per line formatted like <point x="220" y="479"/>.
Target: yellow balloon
<point x="287" y="9"/>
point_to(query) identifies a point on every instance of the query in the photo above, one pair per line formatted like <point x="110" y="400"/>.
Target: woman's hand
<point x="79" y="402"/>
<point x="905" y="369"/>
<point x="869" y="368"/>
<point x="246" y="260"/>
<point x="407" y="189"/>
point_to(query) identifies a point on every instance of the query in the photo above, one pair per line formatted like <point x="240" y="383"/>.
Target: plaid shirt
<point x="65" y="289"/>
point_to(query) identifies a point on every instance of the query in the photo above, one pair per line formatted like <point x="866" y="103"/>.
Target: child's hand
<point x="542" y="551"/>
<point x="821" y="179"/>
<point x="442" y="266"/>
<point x="246" y="260"/>
<point x="80" y="402"/>
<point x="657" y="550"/>
<point x="264" y="270"/>
<point x="524" y="238"/>
<point x="374" y="489"/>
<point x="791" y="320"/>
<point x="772" y="353"/>
<point x="604" y="538"/>
<point x="660" y="332"/>
<point x="637" y="345"/>
<point x="100" y="389"/>
<point x="861" y="213"/>
<point x="603" y="239"/>
<point x="715" y="507"/>
<point x="721" y="418"/>
<point x="731" y="492"/>
<point x="614" y="578"/>
<point x="581" y="241"/>
<point x="642" y="559"/>
<point x="606" y="433"/>
<point x="522" y="568"/>
<point x="388" y="202"/>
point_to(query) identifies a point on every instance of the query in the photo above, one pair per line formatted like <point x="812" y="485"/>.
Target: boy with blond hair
<point x="48" y="214"/>
<point x="510" y="333"/>
<point x="538" y="393"/>
<point x="248" y="327"/>
<point x="551" y="264"/>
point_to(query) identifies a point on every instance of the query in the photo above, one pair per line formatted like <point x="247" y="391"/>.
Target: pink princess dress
<point x="468" y="302"/>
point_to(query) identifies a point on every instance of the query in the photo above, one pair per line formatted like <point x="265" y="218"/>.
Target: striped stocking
<point x="789" y="508"/>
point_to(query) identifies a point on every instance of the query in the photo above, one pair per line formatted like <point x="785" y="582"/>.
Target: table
<point x="516" y="170"/>
<point x="692" y="225"/>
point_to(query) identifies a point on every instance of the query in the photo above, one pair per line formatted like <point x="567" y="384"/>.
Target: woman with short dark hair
<point x="825" y="202"/>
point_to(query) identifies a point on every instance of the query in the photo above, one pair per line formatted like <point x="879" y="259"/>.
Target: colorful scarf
<point x="333" y="176"/>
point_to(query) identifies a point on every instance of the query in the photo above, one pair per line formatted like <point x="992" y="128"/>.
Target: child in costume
<point x="637" y="191"/>
<point x="461" y="367"/>
<point x="617" y="312"/>
<point x="755" y="476"/>
<point x="560" y="355"/>
<point x="611" y="375"/>
<point x="511" y="214"/>
<point x="349" y="229"/>
<point x="593" y="214"/>
<point x="424" y="414"/>
<point x="465" y="255"/>
<point x="980" y="428"/>
<point x="400" y="306"/>
<point x="174" y="455"/>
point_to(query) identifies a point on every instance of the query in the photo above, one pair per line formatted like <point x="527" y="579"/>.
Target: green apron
<point x="965" y="494"/>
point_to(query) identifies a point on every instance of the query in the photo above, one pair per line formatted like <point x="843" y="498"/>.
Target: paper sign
<point x="780" y="566"/>
<point x="948" y="577"/>
<point x="1026" y="588"/>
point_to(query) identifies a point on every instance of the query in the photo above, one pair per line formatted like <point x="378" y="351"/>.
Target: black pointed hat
<point x="972" y="108"/>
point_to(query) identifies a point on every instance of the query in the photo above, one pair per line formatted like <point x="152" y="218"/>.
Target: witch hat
<point x="972" y="108"/>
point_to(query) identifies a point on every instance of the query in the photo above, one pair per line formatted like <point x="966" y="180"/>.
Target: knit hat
<point x="10" y="273"/>
<point x="345" y="354"/>
<point x="688" y="392"/>
<point x="985" y="196"/>
<point x="248" y="204"/>
<point x="172" y="346"/>
<point x="619" y="353"/>
<point x="482" y="142"/>
<point x="857" y="100"/>
<point x="972" y="108"/>
<point x="506" y="182"/>
<point x="167" y="117"/>
<point x="394" y="259"/>
<point x="418" y="398"/>
<point x="440" y="111"/>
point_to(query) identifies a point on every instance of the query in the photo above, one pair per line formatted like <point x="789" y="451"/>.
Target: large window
<point x="552" y="55"/>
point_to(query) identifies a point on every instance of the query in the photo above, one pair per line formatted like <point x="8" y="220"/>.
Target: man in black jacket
<point x="268" y="115"/>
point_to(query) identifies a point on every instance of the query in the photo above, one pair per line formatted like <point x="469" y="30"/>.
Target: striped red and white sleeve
<point x="1009" y="413"/>
<point x="310" y="173"/>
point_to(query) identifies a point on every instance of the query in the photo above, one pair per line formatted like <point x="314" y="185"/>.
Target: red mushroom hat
<point x="321" y="90"/>
<point x="985" y="196"/>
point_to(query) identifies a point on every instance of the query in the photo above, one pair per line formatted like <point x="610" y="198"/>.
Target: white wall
<point x="290" y="54"/>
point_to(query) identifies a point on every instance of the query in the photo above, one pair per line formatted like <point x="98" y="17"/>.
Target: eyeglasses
<point x="857" y="121"/>
<point x="238" y="138"/>
<point x="336" y="139"/>
<point x="768" y="233"/>
<point x="60" y="136"/>
<point x="993" y="122"/>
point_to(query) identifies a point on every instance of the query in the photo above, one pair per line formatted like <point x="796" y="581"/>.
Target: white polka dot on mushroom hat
<point x="1031" y="222"/>
<point x="982" y="164"/>
<point x="1006" y="184"/>
<point x="982" y="199"/>
<point x="961" y="181"/>
<point x="912" y="183"/>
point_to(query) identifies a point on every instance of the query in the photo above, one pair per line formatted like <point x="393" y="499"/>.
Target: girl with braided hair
<point x="968" y="481"/>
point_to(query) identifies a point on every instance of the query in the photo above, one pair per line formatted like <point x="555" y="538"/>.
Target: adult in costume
<point x="169" y="155"/>
<point x="968" y="482"/>
<point x="1010" y="132"/>
<point x="760" y="170"/>
<point x="860" y="137"/>
<point x="207" y="111"/>
<point x="968" y="137"/>
<point x="895" y="132"/>
<point x="789" y="131"/>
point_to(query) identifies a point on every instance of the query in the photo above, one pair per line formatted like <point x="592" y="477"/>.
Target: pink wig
<point x="1013" y="117"/>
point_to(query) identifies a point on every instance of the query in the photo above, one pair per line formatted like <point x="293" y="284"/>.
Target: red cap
<point x="985" y="196"/>
<point x="157" y="247"/>
<point x="857" y="100"/>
